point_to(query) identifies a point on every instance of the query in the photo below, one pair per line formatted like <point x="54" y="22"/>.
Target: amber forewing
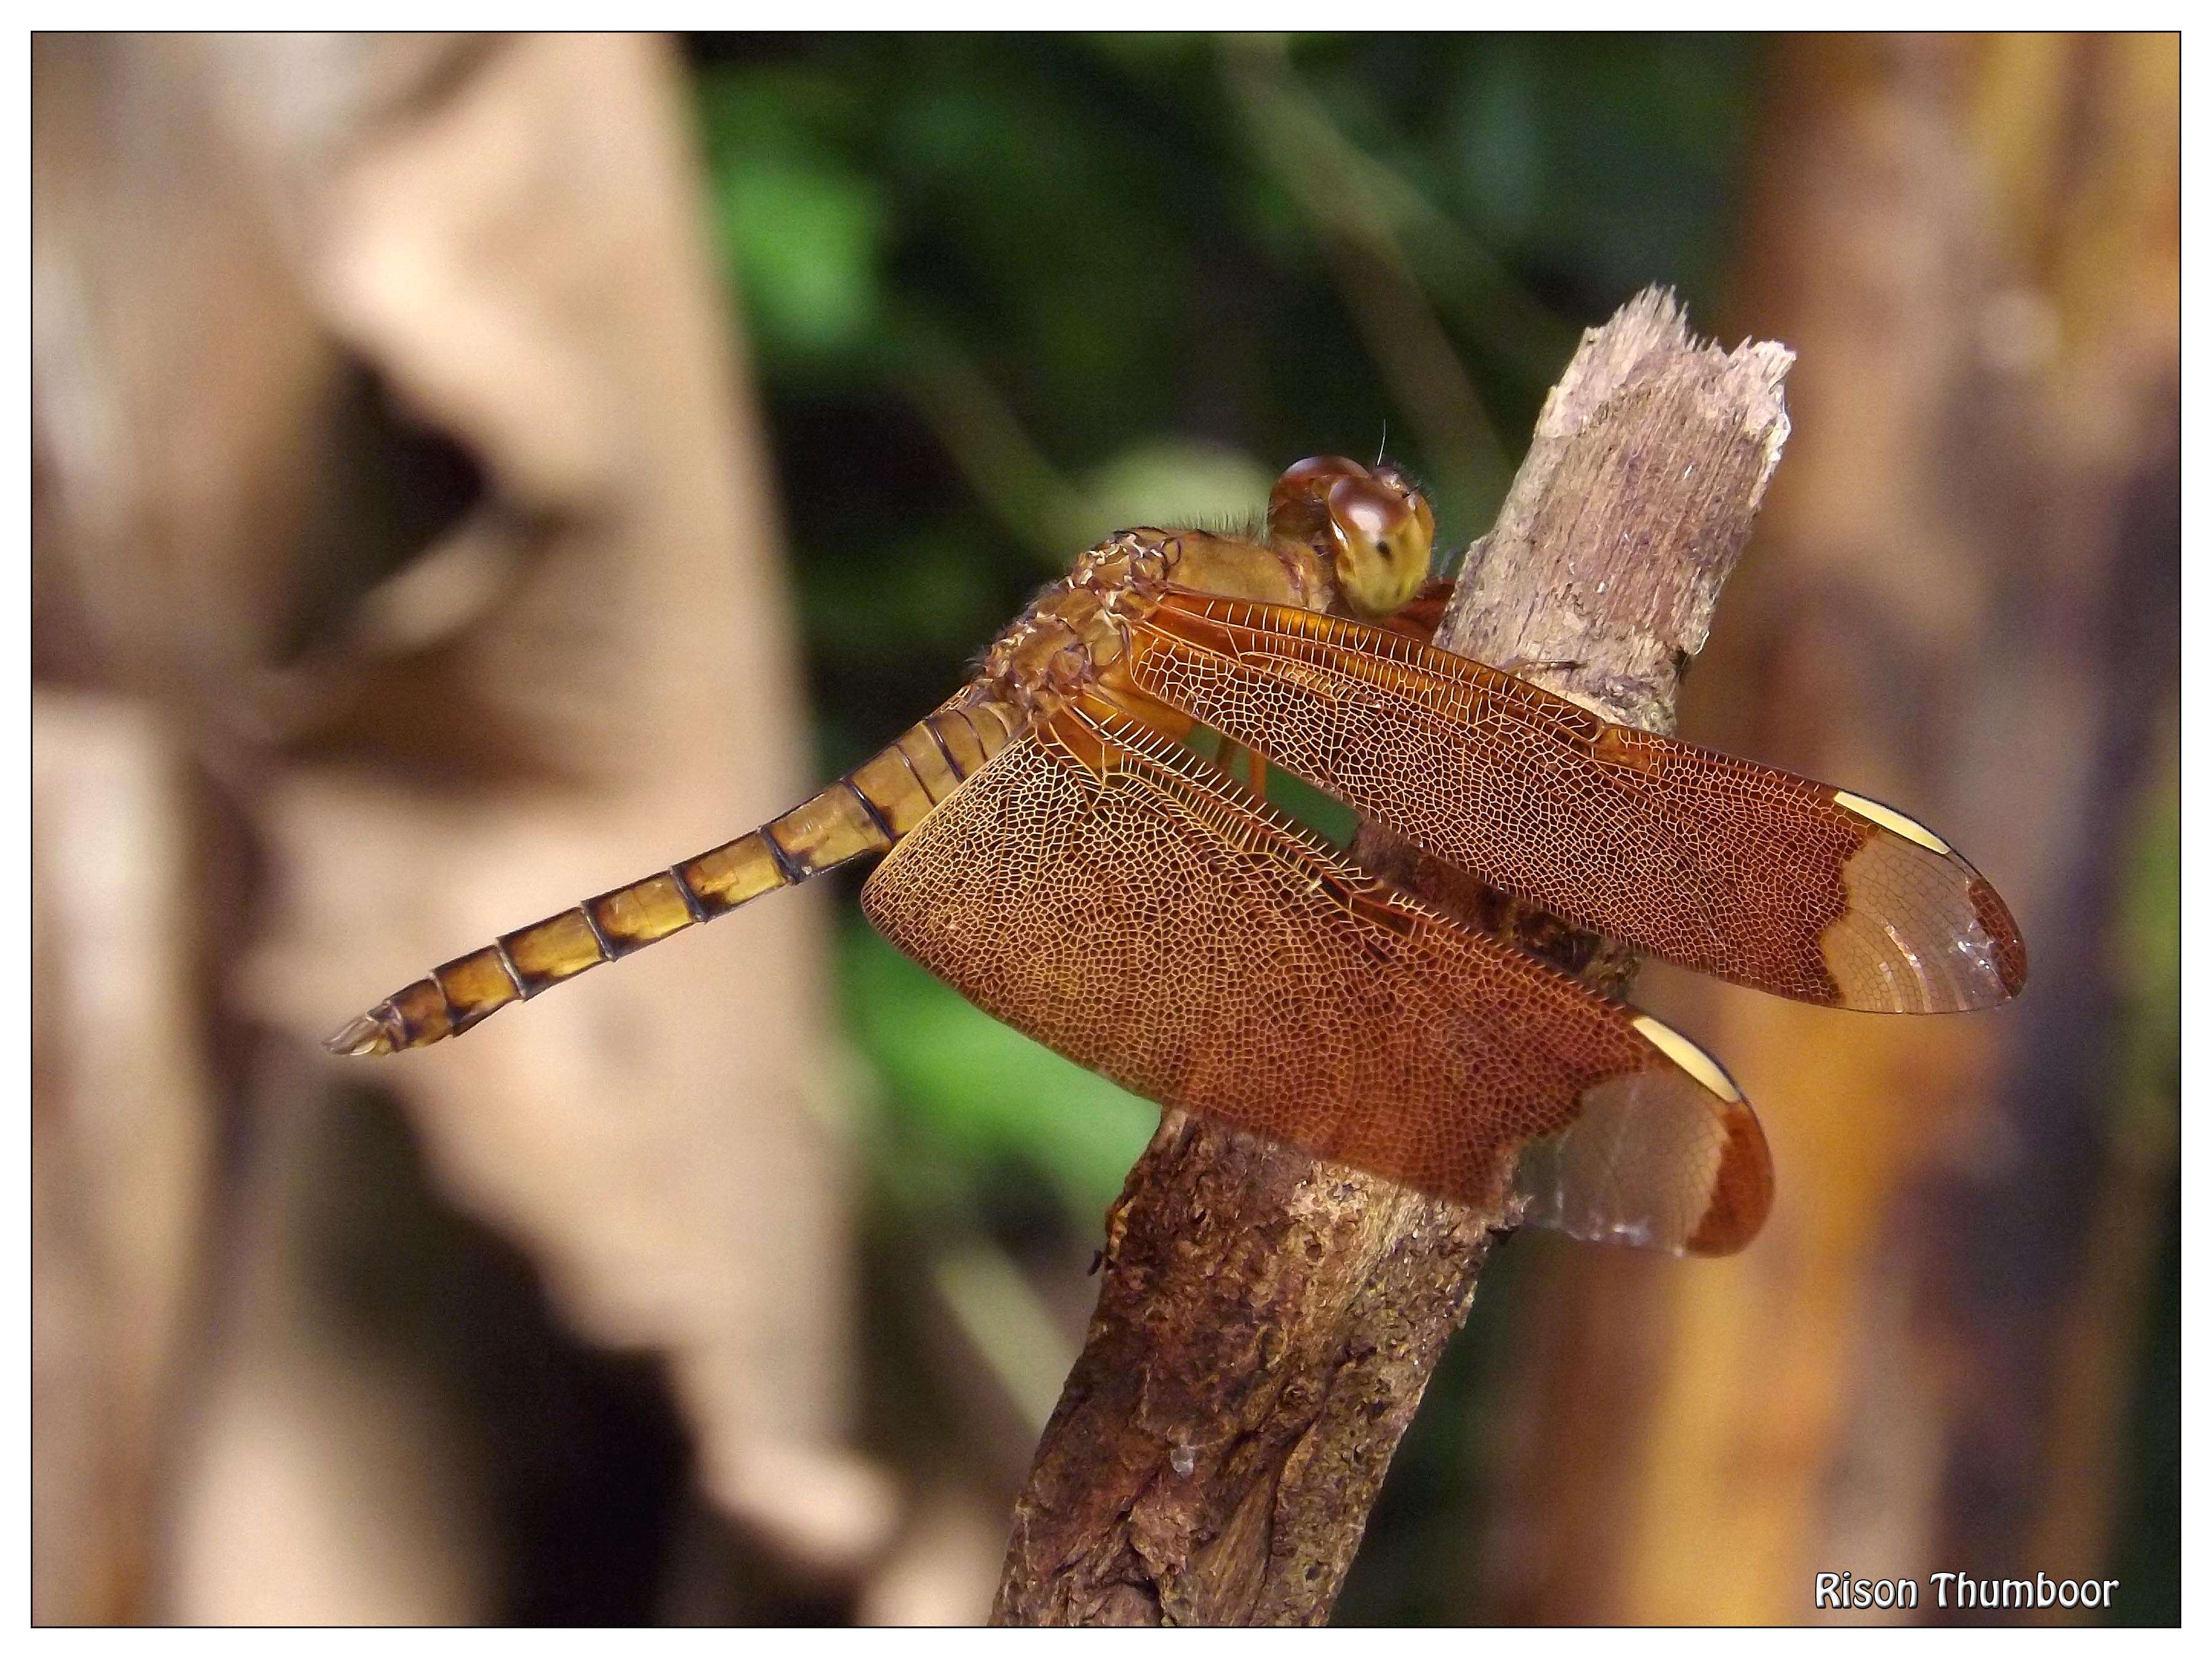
<point x="1729" y="867"/>
<point x="1124" y="902"/>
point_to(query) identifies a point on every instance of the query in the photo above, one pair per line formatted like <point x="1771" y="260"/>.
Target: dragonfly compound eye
<point x="1297" y="506"/>
<point x="1383" y="530"/>
<point x="1387" y="475"/>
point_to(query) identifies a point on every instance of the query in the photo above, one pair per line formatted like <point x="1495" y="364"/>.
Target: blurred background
<point x="468" y="474"/>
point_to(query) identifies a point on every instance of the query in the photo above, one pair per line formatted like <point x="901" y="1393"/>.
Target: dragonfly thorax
<point x="1074" y="635"/>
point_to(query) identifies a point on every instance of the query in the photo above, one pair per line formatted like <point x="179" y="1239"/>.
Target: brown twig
<point x="1267" y="1321"/>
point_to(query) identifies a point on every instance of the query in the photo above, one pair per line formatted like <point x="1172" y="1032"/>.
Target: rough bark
<point x="1267" y="1321"/>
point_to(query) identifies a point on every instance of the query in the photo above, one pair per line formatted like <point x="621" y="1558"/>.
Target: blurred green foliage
<point x="2147" y="1104"/>
<point x="973" y="1089"/>
<point x="1008" y="294"/>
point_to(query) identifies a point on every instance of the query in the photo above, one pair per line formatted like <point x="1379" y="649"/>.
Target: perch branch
<point x="1266" y="1321"/>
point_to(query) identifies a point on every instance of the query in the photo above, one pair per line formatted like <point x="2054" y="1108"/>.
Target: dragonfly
<point x="1054" y="847"/>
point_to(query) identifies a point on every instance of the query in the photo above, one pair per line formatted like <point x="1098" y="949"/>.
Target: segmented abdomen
<point x="867" y="810"/>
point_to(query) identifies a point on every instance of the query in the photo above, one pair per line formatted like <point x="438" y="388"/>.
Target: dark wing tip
<point x="1667" y="1158"/>
<point x="2008" y="951"/>
<point x="1742" y="1190"/>
<point x="1921" y="932"/>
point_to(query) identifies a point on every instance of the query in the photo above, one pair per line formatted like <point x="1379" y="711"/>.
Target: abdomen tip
<point x="362" y="1034"/>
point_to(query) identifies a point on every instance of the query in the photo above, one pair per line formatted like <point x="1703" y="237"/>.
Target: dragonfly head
<point x="1372" y="525"/>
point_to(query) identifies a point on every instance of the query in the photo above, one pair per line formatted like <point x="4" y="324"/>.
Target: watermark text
<point x="1951" y="1590"/>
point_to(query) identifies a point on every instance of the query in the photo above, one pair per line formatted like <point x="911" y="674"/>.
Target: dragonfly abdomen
<point x="867" y="811"/>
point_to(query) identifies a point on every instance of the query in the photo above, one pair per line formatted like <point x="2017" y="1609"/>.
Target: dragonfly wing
<point x="1729" y="867"/>
<point x="1118" y="898"/>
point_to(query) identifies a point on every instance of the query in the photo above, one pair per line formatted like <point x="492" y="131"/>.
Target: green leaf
<point x="970" y="1094"/>
<point x="807" y="241"/>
